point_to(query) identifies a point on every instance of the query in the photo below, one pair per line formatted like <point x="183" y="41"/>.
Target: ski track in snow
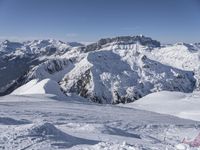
<point x="41" y="122"/>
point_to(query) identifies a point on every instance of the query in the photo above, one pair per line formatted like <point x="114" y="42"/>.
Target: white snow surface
<point x="41" y="122"/>
<point x="46" y="86"/>
<point x="173" y="103"/>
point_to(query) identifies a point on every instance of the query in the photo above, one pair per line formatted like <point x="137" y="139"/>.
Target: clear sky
<point x="88" y="20"/>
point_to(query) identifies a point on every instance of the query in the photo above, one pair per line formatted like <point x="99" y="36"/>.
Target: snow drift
<point x="172" y="103"/>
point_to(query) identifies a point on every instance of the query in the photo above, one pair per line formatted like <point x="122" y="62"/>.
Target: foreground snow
<point x="184" y="105"/>
<point x="42" y="122"/>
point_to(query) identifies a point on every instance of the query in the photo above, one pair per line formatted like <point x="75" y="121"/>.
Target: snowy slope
<point x="46" y="86"/>
<point x="39" y="122"/>
<point x="47" y="47"/>
<point x="120" y="73"/>
<point x="112" y="70"/>
<point x="17" y="59"/>
<point x="173" y="103"/>
<point x="25" y="87"/>
<point x="54" y="69"/>
<point x="180" y="55"/>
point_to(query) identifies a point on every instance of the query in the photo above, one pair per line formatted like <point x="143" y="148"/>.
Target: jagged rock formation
<point x="122" y="40"/>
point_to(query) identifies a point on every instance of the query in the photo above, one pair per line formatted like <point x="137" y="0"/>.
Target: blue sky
<point x="88" y="20"/>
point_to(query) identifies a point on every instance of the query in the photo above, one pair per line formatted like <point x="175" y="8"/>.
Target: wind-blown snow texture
<point x="40" y="122"/>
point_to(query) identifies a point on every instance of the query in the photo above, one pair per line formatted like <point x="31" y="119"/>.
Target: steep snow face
<point x="123" y="75"/>
<point x="173" y="103"/>
<point x="53" y="68"/>
<point x="25" y="87"/>
<point x="46" y="86"/>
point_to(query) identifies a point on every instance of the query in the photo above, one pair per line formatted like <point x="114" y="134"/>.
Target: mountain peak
<point x="145" y="41"/>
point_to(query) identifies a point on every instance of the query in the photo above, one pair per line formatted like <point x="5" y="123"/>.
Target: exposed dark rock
<point x="146" y="41"/>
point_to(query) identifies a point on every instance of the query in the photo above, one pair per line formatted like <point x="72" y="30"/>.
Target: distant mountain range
<point x="113" y="70"/>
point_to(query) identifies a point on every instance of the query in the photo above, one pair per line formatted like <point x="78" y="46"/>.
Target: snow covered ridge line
<point x="36" y="47"/>
<point x="113" y="70"/>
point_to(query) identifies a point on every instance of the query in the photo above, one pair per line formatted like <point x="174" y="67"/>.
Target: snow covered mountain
<point x="123" y="40"/>
<point x="52" y="84"/>
<point x="112" y="70"/>
<point x="16" y="59"/>
<point x="123" y="75"/>
<point x="181" y="55"/>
